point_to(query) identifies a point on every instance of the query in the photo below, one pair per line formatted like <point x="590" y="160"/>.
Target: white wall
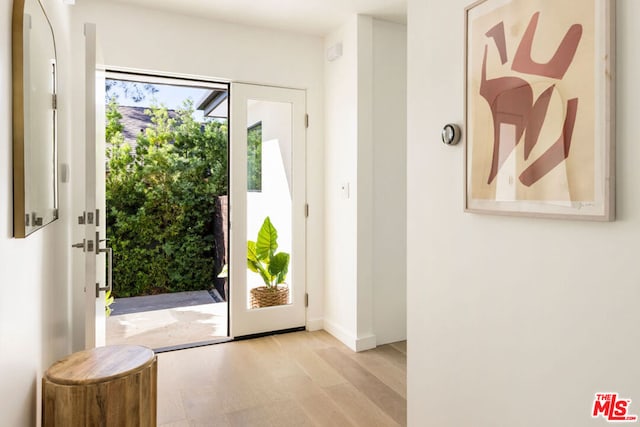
<point x="365" y="337"/>
<point x="341" y="165"/>
<point x="162" y="42"/>
<point x="35" y="325"/>
<point x="389" y="181"/>
<point x="365" y="150"/>
<point x="513" y="321"/>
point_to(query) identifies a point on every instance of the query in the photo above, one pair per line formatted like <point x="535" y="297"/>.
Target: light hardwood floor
<point x="295" y="379"/>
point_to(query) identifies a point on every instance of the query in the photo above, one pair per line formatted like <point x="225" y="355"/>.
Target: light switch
<point x="344" y="190"/>
<point x="63" y="172"/>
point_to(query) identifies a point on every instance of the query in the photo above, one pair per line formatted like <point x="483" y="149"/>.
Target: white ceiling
<point x="317" y="17"/>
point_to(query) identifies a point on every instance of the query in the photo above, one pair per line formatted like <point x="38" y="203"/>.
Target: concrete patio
<point x="167" y="320"/>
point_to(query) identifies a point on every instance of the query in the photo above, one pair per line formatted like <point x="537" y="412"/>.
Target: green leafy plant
<point x="263" y="259"/>
<point x="108" y="300"/>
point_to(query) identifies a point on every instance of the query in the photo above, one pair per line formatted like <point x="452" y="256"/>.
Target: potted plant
<point x="272" y="267"/>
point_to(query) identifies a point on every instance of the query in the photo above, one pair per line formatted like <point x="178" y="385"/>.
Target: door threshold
<point x="191" y="345"/>
<point x="226" y="339"/>
<point x="266" y="334"/>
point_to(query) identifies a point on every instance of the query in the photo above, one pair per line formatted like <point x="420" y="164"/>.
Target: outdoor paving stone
<point x="160" y="302"/>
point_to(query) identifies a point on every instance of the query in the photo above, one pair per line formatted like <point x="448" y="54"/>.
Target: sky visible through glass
<point x="169" y="96"/>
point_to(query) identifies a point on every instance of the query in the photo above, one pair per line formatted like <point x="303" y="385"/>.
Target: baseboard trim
<point x="366" y="342"/>
<point x="340" y="334"/>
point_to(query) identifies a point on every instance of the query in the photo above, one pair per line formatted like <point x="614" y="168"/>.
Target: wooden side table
<point x="105" y="386"/>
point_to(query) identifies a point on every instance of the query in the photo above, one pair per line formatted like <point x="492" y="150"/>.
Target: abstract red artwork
<point x="539" y="118"/>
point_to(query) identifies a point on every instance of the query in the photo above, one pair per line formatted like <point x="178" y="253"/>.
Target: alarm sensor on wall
<point x="334" y="52"/>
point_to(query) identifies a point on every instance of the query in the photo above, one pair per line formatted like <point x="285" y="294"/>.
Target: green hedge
<point x="163" y="211"/>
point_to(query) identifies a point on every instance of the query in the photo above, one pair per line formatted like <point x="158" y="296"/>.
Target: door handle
<point x="85" y="245"/>
<point x="109" y="287"/>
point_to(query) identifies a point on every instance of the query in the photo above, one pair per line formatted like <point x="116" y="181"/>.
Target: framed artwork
<point x="539" y="108"/>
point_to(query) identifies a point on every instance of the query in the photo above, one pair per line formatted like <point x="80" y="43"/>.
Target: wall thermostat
<point x="451" y="134"/>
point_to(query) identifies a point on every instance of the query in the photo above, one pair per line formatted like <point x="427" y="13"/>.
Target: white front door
<point x="268" y="179"/>
<point x="93" y="218"/>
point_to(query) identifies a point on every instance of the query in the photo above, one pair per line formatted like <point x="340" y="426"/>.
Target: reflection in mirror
<point x="35" y="197"/>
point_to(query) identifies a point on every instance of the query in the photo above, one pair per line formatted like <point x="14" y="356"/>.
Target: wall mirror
<point x="35" y="183"/>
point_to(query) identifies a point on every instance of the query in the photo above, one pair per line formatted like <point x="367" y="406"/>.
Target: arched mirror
<point x="35" y="183"/>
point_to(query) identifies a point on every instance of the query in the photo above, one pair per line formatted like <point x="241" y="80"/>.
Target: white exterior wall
<point x="276" y="125"/>
<point x="162" y="42"/>
<point x="513" y="321"/>
<point x="35" y="326"/>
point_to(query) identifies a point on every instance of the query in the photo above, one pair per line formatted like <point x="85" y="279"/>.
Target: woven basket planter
<point x="268" y="297"/>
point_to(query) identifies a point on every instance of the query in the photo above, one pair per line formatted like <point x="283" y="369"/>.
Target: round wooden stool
<point x="105" y="386"/>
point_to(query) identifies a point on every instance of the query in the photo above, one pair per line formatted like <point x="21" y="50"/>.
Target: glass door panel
<point x="267" y="276"/>
<point x="269" y="197"/>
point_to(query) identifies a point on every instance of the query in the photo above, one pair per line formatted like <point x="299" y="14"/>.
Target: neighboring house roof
<point x="135" y="121"/>
<point x="215" y="104"/>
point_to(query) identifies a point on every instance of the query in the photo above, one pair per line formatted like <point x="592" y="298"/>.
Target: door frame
<point x="94" y="320"/>
<point x="188" y="81"/>
<point x="94" y="272"/>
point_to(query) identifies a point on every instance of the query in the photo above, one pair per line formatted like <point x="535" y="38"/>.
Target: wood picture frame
<point x="539" y="108"/>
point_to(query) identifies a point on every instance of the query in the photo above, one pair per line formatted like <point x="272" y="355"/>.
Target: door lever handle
<point x="85" y="245"/>
<point x="109" y="286"/>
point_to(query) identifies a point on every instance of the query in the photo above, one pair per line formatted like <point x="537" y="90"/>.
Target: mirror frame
<point x="22" y="225"/>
